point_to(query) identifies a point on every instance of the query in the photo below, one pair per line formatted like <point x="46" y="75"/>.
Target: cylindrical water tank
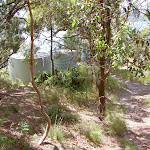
<point x="62" y="58"/>
<point x="19" y="67"/>
<point x="84" y="55"/>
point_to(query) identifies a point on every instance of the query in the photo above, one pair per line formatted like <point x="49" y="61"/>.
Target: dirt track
<point x="138" y="115"/>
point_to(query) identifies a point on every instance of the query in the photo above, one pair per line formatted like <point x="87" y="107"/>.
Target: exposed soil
<point x="137" y="118"/>
<point x="138" y="115"/>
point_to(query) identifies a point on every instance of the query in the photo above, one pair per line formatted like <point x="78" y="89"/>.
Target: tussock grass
<point x="125" y="74"/>
<point x="127" y="144"/>
<point x="113" y="85"/>
<point x="60" y="114"/>
<point x="94" y="134"/>
<point x="6" y="82"/>
<point x="147" y="101"/>
<point x="115" y="125"/>
<point x="146" y="78"/>
<point x="55" y="132"/>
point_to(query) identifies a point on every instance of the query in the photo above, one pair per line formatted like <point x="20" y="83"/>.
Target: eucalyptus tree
<point x="103" y="23"/>
<point x="11" y="28"/>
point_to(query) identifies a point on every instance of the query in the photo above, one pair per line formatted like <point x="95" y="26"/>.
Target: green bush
<point x="59" y="114"/>
<point x="75" y="79"/>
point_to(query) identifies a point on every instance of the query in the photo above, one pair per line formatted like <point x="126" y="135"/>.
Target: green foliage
<point x="41" y="77"/>
<point x="24" y="126"/>
<point x="7" y="143"/>
<point x="12" y="28"/>
<point x="55" y="132"/>
<point x="129" y="75"/>
<point x="59" y="114"/>
<point x="147" y="101"/>
<point x="116" y="125"/>
<point x="73" y="42"/>
<point x="145" y="32"/>
<point x="75" y="79"/>
<point x="2" y="121"/>
<point x="113" y="84"/>
<point x="127" y="144"/>
<point x="125" y="74"/>
<point x="94" y="134"/>
<point x="10" y="143"/>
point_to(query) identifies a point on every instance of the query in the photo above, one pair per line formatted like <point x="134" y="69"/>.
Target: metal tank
<point x="19" y="66"/>
<point x="62" y="58"/>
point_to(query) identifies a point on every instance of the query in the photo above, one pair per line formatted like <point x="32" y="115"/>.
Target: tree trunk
<point x="105" y="23"/>
<point x="52" y="50"/>
<point x="33" y="83"/>
<point x="101" y="87"/>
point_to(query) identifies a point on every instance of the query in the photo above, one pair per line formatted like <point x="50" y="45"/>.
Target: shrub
<point x="75" y="79"/>
<point x="59" y="114"/>
<point x="116" y="125"/>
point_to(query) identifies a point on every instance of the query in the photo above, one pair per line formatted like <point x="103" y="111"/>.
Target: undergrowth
<point x="5" y="82"/>
<point x="10" y="143"/>
<point x="55" y="132"/>
<point x="131" y="76"/>
<point x="127" y="144"/>
<point x="94" y="133"/>
<point x="75" y="79"/>
<point x="115" y="123"/>
<point x="113" y="85"/>
<point x="60" y="114"/>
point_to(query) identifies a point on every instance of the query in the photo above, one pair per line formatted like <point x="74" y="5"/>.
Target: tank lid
<point x="65" y="51"/>
<point x="20" y="55"/>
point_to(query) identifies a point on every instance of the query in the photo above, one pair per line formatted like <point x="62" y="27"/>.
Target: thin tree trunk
<point x="90" y="59"/>
<point x="101" y="73"/>
<point x="101" y="88"/>
<point x="52" y="50"/>
<point x="32" y="80"/>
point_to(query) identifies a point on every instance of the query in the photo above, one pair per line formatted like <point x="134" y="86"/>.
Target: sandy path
<point x="138" y="115"/>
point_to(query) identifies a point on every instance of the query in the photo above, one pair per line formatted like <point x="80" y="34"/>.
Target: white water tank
<point x="19" y="67"/>
<point x="84" y="55"/>
<point x="62" y="58"/>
